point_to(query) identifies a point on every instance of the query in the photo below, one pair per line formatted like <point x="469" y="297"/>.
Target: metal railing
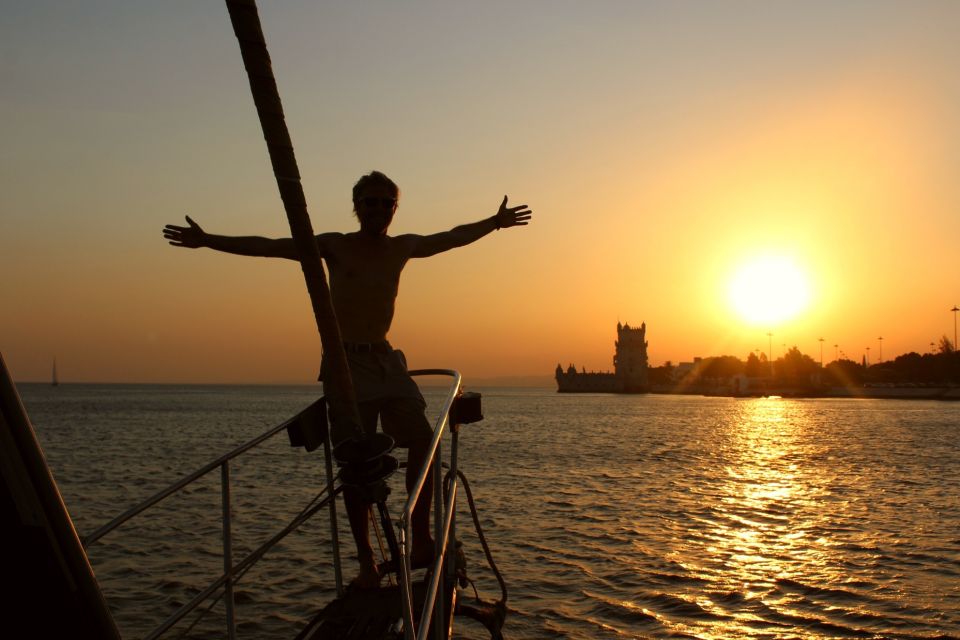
<point x="309" y="418"/>
<point x="444" y="521"/>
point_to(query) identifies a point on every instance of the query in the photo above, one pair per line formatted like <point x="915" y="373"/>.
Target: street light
<point x="821" y="352"/>
<point x="836" y="352"/>
<point x="955" y="309"/>
<point x="770" y="351"/>
<point x="880" y="355"/>
<point x="868" y="356"/>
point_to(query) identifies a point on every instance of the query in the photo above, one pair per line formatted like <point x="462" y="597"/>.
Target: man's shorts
<point x="384" y="389"/>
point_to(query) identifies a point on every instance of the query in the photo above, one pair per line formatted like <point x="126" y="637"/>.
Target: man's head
<point x="375" y="198"/>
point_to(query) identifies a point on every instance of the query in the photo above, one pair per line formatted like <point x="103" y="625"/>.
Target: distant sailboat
<point x="55" y="380"/>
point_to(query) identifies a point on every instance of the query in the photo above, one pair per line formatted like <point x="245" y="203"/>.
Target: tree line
<point x="798" y="370"/>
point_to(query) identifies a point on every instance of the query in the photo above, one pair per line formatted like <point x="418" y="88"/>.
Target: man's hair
<point x="374" y="178"/>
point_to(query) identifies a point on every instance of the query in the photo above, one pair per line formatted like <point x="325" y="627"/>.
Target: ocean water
<point x="609" y="516"/>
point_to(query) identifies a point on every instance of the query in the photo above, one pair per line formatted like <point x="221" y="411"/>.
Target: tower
<point x="630" y="359"/>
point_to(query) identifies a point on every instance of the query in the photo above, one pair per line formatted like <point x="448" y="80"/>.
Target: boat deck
<point x="364" y="614"/>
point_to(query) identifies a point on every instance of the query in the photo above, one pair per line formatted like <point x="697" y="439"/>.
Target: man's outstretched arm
<point x="467" y="233"/>
<point x="193" y="237"/>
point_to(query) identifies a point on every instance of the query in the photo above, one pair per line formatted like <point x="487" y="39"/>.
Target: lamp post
<point x="836" y="352"/>
<point x="770" y="351"/>
<point x="821" y="352"/>
<point x="868" y="356"/>
<point x="955" y="309"/>
<point x="880" y="353"/>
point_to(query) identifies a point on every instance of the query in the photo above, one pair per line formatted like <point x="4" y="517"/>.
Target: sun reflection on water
<point x="759" y="526"/>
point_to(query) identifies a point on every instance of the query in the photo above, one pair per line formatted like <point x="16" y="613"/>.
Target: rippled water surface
<point x="609" y="516"/>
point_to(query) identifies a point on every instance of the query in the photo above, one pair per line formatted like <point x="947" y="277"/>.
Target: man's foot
<point x="369" y="577"/>
<point x="421" y="558"/>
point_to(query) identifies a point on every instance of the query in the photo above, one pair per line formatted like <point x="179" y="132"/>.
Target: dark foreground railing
<point x="309" y="429"/>
<point x="311" y="420"/>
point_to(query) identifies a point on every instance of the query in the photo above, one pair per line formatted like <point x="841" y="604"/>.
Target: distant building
<point x="629" y="367"/>
<point x="683" y="369"/>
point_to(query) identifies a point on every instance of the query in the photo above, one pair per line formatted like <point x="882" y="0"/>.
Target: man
<point x="365" y="269"/>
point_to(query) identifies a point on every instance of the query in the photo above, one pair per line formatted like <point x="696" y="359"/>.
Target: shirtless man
<point x="365" y="269"/>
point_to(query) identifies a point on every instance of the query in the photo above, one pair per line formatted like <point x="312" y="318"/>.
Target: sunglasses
<point x="386" y="203"/>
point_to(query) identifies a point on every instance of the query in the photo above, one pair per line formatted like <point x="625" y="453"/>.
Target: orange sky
<point x="661" y="145"/>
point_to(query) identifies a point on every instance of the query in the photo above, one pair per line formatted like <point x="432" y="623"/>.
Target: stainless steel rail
<point x="183" y="482"/>
<point x="230" y="570"/>
<point x="444" y="511"/>
<point x="443" y="517"/>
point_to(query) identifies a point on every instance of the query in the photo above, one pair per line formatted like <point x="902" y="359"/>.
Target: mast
<point x="266" y="97"/>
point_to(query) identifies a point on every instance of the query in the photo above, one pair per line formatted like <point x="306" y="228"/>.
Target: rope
<point x="483" y="539"/>
<point x="383" y="550"/>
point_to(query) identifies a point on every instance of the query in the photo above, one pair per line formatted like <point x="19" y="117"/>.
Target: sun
<point x="769" y="289"/>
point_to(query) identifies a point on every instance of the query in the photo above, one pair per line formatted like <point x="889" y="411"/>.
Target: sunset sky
<point x="661" y="145"/>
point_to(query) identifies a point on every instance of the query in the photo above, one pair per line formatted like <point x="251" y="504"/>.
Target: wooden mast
<point x="266" y="97"/>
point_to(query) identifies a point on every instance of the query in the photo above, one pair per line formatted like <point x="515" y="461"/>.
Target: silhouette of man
<point x="365" y="269"/>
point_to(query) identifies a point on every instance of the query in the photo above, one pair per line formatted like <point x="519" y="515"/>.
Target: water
<point x="609" y="516"/>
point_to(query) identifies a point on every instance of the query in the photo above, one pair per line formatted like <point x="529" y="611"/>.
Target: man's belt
<point x="367" y="347"/>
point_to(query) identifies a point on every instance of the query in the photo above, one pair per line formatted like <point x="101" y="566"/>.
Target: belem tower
<point x="629" y="367"/>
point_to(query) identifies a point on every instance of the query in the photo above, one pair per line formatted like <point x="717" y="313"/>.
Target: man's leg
<point x="423" y="546"/>
<point x="403" y="419"/>
<point x="358" y="513"/>
<point x="358" y="510"/>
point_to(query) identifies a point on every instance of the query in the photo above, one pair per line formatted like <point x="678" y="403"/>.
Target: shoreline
<point x="949" y="393"/>
<point x="871" y="393"/>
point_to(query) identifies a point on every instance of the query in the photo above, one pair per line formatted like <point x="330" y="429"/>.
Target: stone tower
<point x="630" y="359"/>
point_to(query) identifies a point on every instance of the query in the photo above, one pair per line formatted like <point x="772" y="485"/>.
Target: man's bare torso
<point x="364" y="280"/>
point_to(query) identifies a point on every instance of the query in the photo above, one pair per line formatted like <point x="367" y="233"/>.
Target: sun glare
<point x="769" y="289"/>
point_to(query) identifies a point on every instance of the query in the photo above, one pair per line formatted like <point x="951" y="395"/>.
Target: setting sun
<point x="769" y="289"/>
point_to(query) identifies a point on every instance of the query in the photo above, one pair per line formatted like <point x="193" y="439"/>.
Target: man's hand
<point x="511" y="216"/>
<point x="190" y="237"/>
